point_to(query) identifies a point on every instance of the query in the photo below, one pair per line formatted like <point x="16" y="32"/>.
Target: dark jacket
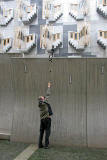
<point x="49" y="108"/>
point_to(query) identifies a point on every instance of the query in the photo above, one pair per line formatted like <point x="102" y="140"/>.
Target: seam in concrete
<point x="26" y="154"/>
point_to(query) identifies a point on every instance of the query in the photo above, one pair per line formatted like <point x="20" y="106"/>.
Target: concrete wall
<point x="6" y="97"/>
<point x="68" y="100"/>
<point x="78" y="99"/>
<point x="97" y="102"/>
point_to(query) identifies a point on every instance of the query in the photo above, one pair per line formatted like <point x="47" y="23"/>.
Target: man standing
<point x="45" y="116"/>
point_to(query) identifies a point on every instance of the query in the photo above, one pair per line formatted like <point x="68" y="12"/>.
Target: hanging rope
<point x="51" y="59"/>
<point x="51" y="54"/>
<point x="50" y="71"/>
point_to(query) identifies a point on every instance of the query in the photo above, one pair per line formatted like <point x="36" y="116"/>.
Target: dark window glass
<point x="4" y="42"/>
<point x="27" y="39"/>
<point x="79" y="35"/>
<point x="100" y="34"/>
<point x="31" y="37"/>
<point x="75" y="35"/>
<point x="86" y="32"/>
<point x="71" y="35"/>
<point x="105" y="34"/>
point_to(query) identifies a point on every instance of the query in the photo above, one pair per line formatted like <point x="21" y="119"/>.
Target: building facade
<point x="32" y="28"/>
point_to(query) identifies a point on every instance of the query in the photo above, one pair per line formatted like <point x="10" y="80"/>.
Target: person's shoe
<point x="46" y="147"/>
<point x="41" y="146"/>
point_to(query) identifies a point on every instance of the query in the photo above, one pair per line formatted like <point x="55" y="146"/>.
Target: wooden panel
<point x="97" y="102"/>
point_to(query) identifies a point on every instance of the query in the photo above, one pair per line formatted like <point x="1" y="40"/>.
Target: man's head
<point x="41" y="98"/>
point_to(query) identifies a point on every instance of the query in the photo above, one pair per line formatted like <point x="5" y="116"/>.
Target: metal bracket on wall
<point x="102" y="69"/>
<point x="70" y="79"/>
<point x="25" y="69"/>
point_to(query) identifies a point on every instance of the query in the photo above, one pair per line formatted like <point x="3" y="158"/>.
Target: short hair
<point x="41" y="98"/>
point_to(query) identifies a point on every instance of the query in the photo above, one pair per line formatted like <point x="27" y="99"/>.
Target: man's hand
<point x="49" y="84"/>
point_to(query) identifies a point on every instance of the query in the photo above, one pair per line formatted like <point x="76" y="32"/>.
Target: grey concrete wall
<point x="68" y="100"/>
<point x="6" y="97"/>
<point x="97" y="102"/>
<point x="78" y="103"/>
<point x="28" y="86"/>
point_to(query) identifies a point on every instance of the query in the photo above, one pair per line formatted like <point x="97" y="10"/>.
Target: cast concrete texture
<point x="10" y="150"/>
<point x="69" y="117"/>
<point x="26" y="154"/>
<point x="6" y="98"/>
<point x="70" y="153"/>
<point x="78" y="99"/>
<point x="96" y="102"/>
